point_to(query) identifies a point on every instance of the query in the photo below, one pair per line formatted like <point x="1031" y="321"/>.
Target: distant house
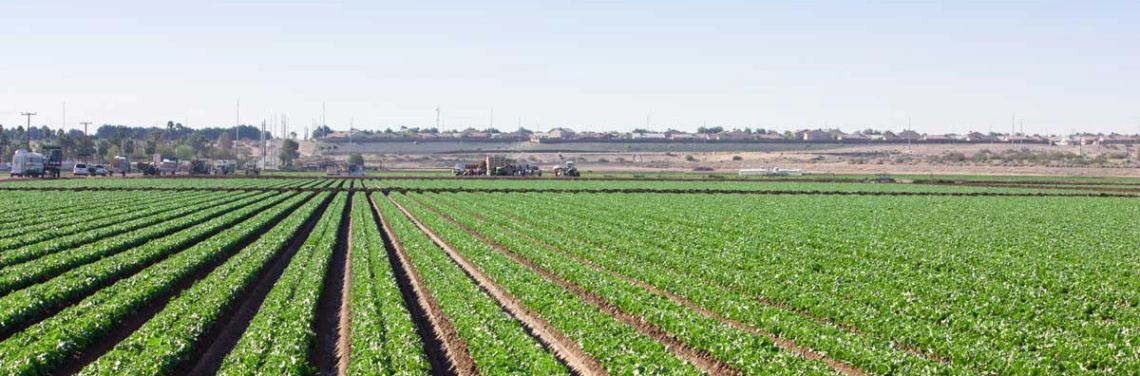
<point x="886" y="136"/>
<point x="593" y="136"/>
<point x="816" y="135"/>
<point x="854" y="137"/>
<point x="651" y="136"/>
<point x="909" y="135"/>
<point x="477" y="135"/>
<point x="768" y="136"/>
<point x="560" y="133"/>
<point x="937" y="138"/>
<point x="731" y="136"/>
<point x="682" y="136"/>
<point x="978" y="137"/>
<point x="1117" y="140"/>
<point x="1016" y="139"/>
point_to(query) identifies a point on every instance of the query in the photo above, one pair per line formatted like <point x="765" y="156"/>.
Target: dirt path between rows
<point x="760" y="299"/>
<point x="132" y="323"/>
<point x="566" y="350"/>
<point x="447" y="351"/>
<point x="332" y="306"/>
<point x="700" y="359"/>
<point x="225" y="333"/>
<point x="786" y="344"/>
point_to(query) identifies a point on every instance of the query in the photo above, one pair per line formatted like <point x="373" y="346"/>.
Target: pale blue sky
<point x="951" y="66"/>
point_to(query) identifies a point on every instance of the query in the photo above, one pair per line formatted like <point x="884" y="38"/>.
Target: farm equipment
<point x="774" y="171"/>
<point x="496" y="165"/>
<point x="251" y="169"/>
<point x="224" y="167"/>
<point x="199" y="167"/>
<point x="569" y="170"/>
<point x="882" y="178"/>
<point x="27" y="164"/>
<point x="53" y="160"/>
<point x="147" y="169"/>
<point x="120" y="165"/>
<point x="167" y="166"/>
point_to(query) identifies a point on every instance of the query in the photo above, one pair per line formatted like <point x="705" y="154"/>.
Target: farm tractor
<point x="569" y="170"/>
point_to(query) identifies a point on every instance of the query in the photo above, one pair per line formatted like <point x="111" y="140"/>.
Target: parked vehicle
<point x="168" y="166"/>
<point x="80" y="169"/>
<point x="27" y="164"/>
<point x="100" y="170"/>
<point x="147" y="169"/>
<point x="120" y="165"/>
<point x="53" y="160"/>
<point x="5" y="167"/>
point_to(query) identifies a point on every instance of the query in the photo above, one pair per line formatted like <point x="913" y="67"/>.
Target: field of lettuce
<point x="313" y="276"/>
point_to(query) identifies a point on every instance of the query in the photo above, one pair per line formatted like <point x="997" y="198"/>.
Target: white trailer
<point x="25" y="163"/>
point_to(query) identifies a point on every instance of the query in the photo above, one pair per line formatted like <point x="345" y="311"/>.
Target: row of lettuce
<point x="910" y="285"/>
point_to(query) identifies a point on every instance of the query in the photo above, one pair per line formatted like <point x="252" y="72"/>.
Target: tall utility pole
<point x="262" y="144"/>
<point x="437" y="127"/>
<point x="237" y="120"/>
<point x="28" y="130"/>
<point x="85" y="124"/>
<point x="323" y="123"/>
<point x="492" y="118"/>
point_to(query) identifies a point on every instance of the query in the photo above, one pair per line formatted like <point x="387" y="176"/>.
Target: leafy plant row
<point x="280" y="337"/>
<point x="159" y="183"/>
<point x="22" y="275"/>
<point x="42" y="347"/>
<point x="497" y="342"/>
<point x="702" y="185"/>
<point x="148" y="217"/>
<point x="21" y="306"/>
<point x="383" y="336"/>
<point x="918" y="271"/>
<point x="168" y="339"/>
<point x="619" y="347"/>
<point x="48" y="210"/>
<point x="865" y="353"/>
<point x="82" y="230"/>
<point x="749" y="352"/>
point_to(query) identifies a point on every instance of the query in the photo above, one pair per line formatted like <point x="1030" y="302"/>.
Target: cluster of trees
<point x="109" y="141"/>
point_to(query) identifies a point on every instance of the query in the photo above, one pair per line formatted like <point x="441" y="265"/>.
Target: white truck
<point x="27" y="164"/>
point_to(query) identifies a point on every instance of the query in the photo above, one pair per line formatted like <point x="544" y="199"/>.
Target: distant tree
<point x="225" y="142"/>
<point x="184" y="152"/>
<point x="129" y="147"/>
<point x="102" y="147"/>
<point x="523" y="130"/>
<point x="788" y="135"/>
<point x="356" y="159"/>
<point x="642" y="130"/>
<point x="710" y="130"/>
<point x="288" y="152"/>
<point x="491" y="130"/>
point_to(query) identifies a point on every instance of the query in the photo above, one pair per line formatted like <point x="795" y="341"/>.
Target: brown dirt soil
<point x="131" y="324"/>
<point x="839" y="366"/>
<point x="566" y="350"/>
<point x="224" y="334"/>
<point x="786" y="344"/>
<point x="452" y="355"/>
